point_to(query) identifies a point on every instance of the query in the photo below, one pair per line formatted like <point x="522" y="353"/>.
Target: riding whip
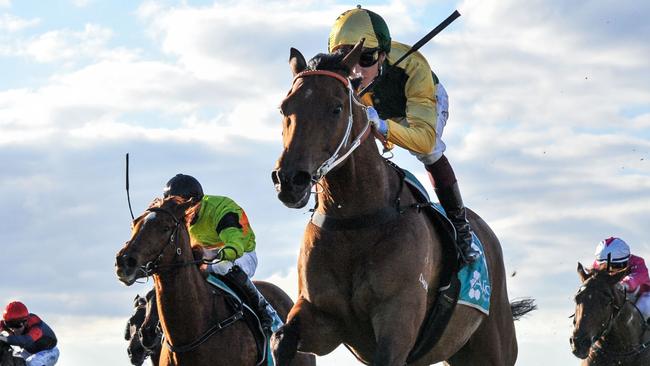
<point x="128" y="196"/>
<point x="417" y="45"/>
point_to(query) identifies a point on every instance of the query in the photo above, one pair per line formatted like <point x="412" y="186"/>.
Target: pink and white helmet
<point x="614" y="248"/>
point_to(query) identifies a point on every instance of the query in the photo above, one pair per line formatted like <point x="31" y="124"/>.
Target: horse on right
<point x="608" y="327"/>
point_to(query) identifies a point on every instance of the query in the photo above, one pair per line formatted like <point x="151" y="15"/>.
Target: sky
<point x="549" y="135"/>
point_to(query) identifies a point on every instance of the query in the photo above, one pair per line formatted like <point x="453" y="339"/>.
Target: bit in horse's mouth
<point x="126" y="279"/>
<point x="290" y="201"/>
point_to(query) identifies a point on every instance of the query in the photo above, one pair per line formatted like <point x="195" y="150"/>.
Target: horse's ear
<point x="297" y="62"/>
<point x="584" y="275"/>
<point x="352" y="58"/>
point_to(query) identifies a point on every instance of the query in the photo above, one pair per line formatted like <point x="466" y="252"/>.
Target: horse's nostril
<point x="301" y="178"/>
<point x="131" y="262"/>
<point x="275" y="177"/>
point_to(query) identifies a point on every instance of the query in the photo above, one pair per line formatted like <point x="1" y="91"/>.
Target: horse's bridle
<point x="635" y="350"/>
<point x="337" y="159"/>
<point x="154" y="266"/>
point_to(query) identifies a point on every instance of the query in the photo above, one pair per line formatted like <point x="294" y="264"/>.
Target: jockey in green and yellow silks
<point x="232" y="233"/>
<point x="408" y="106"/>
<point x="221" y="227"/>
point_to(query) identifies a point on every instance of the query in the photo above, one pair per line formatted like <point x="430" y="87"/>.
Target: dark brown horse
<point x="7" y="358"/>
<point x="187" y="306"/>
<point x="369" y="287"/>
<point x="608" y="328"/>
<point x="150" y="332"/>
<point x="142" y="331"/>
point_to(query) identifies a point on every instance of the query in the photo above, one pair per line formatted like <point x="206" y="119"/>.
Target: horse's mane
<point x="332" y="62"/>
<point x="328" y="61"/>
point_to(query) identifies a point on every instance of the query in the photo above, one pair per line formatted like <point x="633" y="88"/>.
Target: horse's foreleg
<point x="307" y="330"/>
<point x="396" y="329"/>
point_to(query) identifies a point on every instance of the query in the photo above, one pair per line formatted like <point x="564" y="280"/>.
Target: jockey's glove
<point x="3" y="338"/>
<point x="220" y="267"/>
<point x="379" y="124"/>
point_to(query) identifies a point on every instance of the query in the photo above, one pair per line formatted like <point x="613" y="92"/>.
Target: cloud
<point x="11" y="23"/>
<point x="548" y="136"/>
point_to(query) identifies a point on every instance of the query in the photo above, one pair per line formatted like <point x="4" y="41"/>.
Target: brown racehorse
<point x="187" y="306"/>
<point x="150" y="332"/>
<point x="7" y="358"/>
<point x="608" y="329"/>
<point x="142" y="331"/>
<point x="367" y="287"/>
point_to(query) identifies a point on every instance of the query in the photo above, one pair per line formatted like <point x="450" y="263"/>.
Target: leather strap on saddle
<point x="436" y="321"/>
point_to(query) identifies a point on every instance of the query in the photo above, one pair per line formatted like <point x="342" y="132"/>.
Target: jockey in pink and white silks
<point x="616" y="252"/>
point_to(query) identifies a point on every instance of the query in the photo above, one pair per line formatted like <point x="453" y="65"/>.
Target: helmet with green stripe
<point x="359" y="23"/>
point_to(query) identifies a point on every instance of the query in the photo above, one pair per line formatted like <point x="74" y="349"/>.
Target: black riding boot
<point x="452" y="202"/>
<point x="254" y="297"/>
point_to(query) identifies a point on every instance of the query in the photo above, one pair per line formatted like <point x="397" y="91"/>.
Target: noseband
<point x="337" y="158"/>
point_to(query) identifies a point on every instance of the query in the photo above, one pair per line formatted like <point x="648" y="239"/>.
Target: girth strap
<point x="379" y="217"/>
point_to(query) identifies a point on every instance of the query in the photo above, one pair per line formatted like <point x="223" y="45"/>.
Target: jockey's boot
<point x="261" y="307"/>
<point x="452" y="202"/>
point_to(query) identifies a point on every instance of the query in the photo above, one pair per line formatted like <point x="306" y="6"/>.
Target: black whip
<point x="128" y="196"/>
<point x="417" y="46"/>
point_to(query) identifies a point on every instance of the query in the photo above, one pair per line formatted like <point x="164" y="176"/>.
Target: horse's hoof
<point x="284" y="345"/>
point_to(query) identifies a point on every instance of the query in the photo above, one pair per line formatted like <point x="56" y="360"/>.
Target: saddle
<point x="438" y="317"/>
<point x="238" y="301"/>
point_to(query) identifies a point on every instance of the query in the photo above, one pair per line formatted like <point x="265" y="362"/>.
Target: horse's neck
<point x="362" y="184"/>
<point x="183" y="299"/>
<point x="627" y="330"/>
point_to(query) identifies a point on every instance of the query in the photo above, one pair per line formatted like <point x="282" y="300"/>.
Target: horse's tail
<point x="522" y="307"/>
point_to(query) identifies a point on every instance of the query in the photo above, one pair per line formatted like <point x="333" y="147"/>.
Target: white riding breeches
<point x="247" y="262"/>
<point x="441" y="122"/>
<point x="643" y="304"/>
<point x="49" y="357"/>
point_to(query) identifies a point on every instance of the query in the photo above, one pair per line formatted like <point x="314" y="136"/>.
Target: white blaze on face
<point x="308" y="93"/>
<point x="151" y="216"/>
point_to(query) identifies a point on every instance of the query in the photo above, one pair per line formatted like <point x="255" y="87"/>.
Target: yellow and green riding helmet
<point x="359" y="23"/>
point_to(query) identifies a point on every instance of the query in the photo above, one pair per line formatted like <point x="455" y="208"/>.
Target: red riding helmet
<point x="15" y="311"/>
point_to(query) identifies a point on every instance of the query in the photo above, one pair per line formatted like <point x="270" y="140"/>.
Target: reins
<point x="154" y="267"/>
<point x="635" y="350"/>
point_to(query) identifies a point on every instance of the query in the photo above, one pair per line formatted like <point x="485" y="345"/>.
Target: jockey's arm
<point x="25" y="340"/>
<point x="638" y="275"/>
<point x="236" y="237"/>
<point x="421" y="114"/>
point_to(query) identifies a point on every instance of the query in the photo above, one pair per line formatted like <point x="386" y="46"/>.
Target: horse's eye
<point x="337" y="110"/>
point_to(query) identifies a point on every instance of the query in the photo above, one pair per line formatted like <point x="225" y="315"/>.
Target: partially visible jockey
<point x="221" y="228"/>
<point x="408" y="106"/>
<point x="613" y="254"/>
<point x="30" y="333"/>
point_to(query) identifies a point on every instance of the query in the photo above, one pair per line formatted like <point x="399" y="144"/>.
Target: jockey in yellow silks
<point x="408" y="106"/>
<point x="220" y="226"/>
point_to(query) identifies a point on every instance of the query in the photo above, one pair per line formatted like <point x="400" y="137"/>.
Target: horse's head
<point x="317" y="126"/>
<point x="156" y="238"/>
<point x="135" y="349"/>
<point x="150" y="332"/>
<point x="597" y="302"/>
